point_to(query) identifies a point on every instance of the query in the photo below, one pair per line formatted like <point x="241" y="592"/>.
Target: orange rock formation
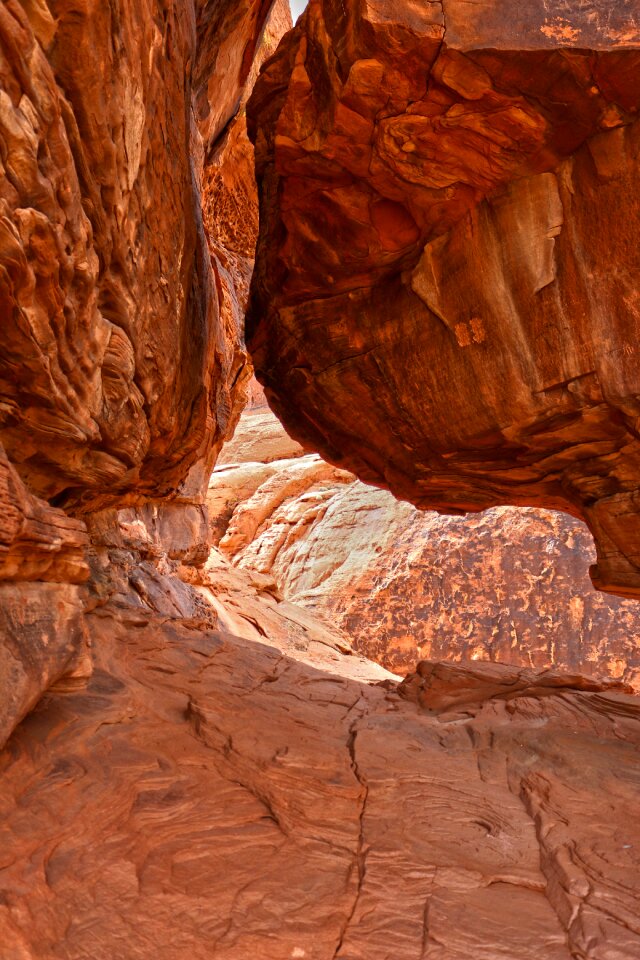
<point x="195" y="766"/>
<point x="445" y="296"/>
<point x="214" y="797"/>
<point x="122" y="366"/>
<point x="114" y="358"/>
<point x="507" y="584"/>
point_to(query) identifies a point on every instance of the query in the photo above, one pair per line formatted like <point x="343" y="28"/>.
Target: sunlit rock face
<point x="506" y="584"/>
<point x="209" y="797"/>
<point x="446" y="293"/>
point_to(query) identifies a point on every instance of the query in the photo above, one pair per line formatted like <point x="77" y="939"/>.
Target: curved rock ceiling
<point x="507" y="585"/>
<point x="445" y="298"/>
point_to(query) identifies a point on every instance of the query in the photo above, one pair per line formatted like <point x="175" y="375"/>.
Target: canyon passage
<point x="319" y="480"/>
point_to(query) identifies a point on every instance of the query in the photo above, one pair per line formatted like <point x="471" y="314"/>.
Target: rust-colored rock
<point x="220" y="798"/>
<point x="212" y="771"/>
<point x="118" y="372"/>
<point x="122" y="363"/>
<point x="446" y="292"/>
<point x="37" y="541"/>
<point x="230" y="212"/>
<point x="446" y="688"/>
<point x="120" y="375"/>
<point x="506" y="585"/>
<point x="42" y="565"/>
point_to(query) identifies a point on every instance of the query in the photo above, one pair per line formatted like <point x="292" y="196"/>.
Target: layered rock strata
<point x="215" y="797"/>
<point x="506" y="584"/>
<point x="445" y="299"/>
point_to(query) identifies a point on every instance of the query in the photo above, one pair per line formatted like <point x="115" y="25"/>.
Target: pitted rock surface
<point x="506" y="585"/>
<point x="119" y="373"/>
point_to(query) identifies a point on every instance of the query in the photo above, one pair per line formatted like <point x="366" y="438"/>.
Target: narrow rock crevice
<point x="359" y="867"/>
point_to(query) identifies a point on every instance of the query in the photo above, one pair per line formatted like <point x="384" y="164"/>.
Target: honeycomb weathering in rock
<point x="446" y="291"/>
<point x="118" y="373"/>
<point x="122" y="362"/>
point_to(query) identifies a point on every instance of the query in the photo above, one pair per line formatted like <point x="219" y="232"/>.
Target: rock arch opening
<point x="196" y="758"/>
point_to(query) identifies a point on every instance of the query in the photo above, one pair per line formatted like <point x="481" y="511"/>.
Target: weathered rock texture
<point x="212" y="797"/>
<point x="122" y="362"/>
<point x="223" y="777"/>
<point x="42" y="569"/>
<point x="507" y="585"/>
<point x="230" y="212"/>
<point x="446" y="292"/>
<point x="118" y="371"/>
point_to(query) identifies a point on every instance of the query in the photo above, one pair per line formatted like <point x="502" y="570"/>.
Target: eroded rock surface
<point x="42" y="568"/>
<point x="122" y="364"/>
<point x="118" y="370"/>
<point x="506" y="584"/>
<point x="445" y="299"/>
<point x="215" y="797"/>
<point x="213" y="772"/>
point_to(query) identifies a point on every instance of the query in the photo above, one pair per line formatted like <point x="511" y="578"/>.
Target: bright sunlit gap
<point x="297" y="7"/>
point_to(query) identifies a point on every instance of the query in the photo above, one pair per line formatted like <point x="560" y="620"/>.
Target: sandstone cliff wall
<point x="113" y="347"/>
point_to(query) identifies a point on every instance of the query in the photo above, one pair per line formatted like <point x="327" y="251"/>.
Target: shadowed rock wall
<point x="117" y="375"/>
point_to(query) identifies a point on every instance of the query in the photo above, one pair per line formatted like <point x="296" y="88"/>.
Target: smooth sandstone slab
<point x="445" y="298"/>
<point x="215" y="797"/>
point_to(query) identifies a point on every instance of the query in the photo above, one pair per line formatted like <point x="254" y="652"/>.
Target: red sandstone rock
<point x="37" y="541"/>
<point x="230" y="212"/>
<point x="42" y="632"/>
<point x="447" y="688"/>
<point x="118" y="374"/>
<point x="216" y="798"/>
<point x="122" y="364"/>
<point x="507" y="585"/>
<point x="233" y="782"/>
<point x="445" y="298"/>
